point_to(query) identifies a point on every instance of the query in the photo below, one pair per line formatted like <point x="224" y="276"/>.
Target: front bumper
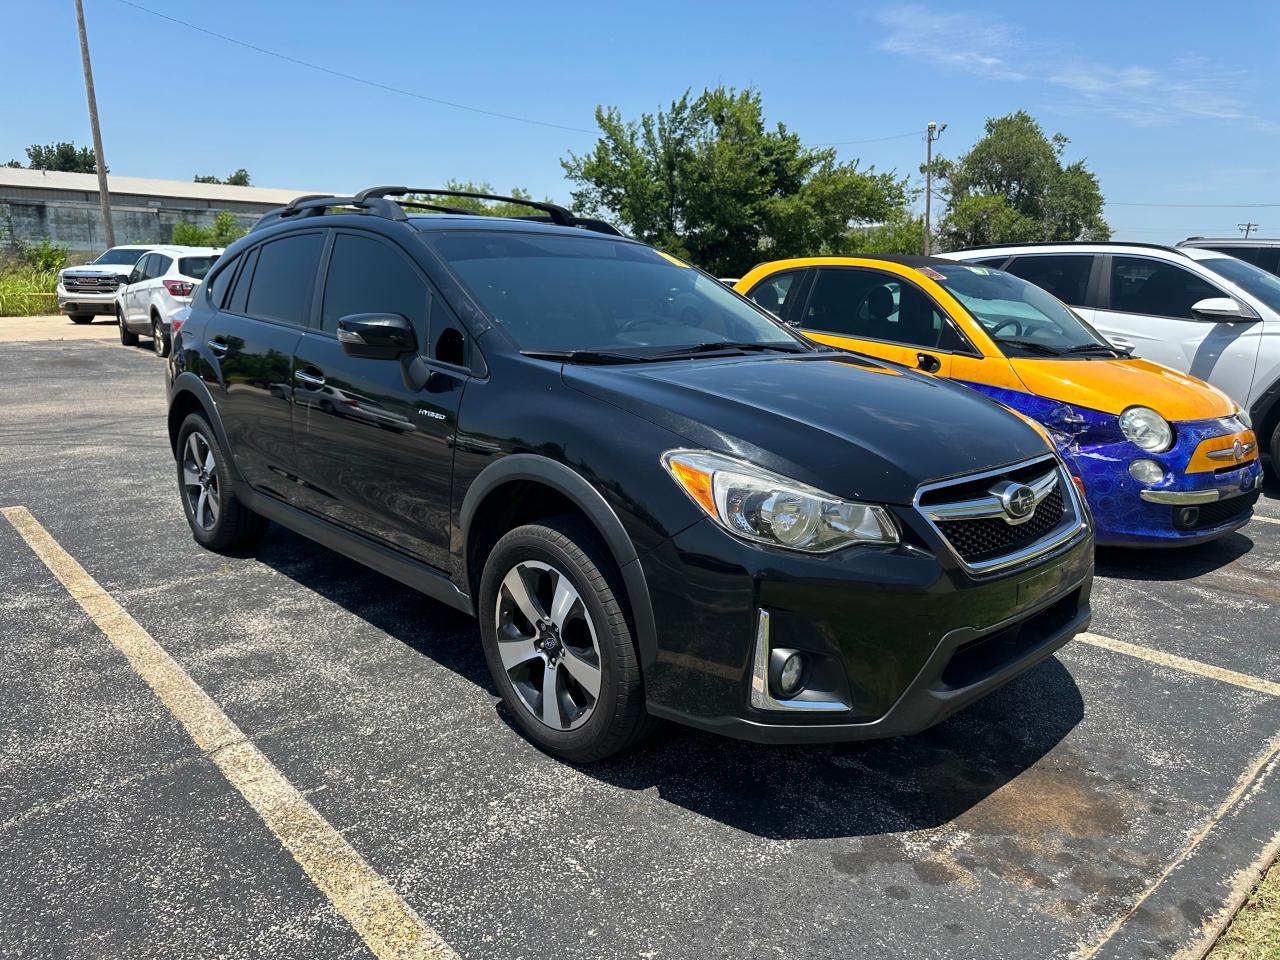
<point x="909" y="635"/>
<point x="76" y="302"/>
<point x="1129" y="513"/>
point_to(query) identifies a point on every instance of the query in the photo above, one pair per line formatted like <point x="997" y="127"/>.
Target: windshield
<point x="1021" y="317"/>
<point x="1252" y="280"/>
<point x="595" y="295"/>
<point x="195" y="267"/>
<point x="121" y="256"/>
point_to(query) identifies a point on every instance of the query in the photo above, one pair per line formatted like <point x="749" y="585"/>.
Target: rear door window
<point x="161" y="265"/>
<point x="1156" y="288"/>
<point x="284" y="279"/>
<point x="1066" y="276"/>
<point x="221" y="282"/>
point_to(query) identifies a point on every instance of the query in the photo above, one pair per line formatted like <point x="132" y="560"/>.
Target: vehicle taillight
<point x="179" y="288"/>
<point x="174" y="326"/>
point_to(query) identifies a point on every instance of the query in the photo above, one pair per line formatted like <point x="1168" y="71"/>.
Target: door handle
<point x="928" y="362"/>
<point x="310" y="379"/>
<point x="219" y="346"/>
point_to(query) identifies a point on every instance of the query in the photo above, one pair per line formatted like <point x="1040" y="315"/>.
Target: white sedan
<point x="160" y="285"/>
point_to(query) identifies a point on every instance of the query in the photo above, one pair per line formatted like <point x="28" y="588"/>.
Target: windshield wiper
<point x="1032" y="345"/>
<point x="719" y="345"/>
<point x="1098" y="348"/>
<point x="583" y="356"/>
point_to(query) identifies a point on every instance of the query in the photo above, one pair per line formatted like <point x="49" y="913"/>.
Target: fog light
<point x="1187" y="517"/>
<point x="791" y="674"/>
<point x="1146" y="471"/>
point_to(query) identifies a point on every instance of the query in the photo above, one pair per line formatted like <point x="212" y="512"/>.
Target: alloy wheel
<point x="200" y="481"/>
<point x="548" y="645"/>
<point x="157" y="339"/>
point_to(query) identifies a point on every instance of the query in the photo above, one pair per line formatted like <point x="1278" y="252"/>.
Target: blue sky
<point x="1169" y="102"/>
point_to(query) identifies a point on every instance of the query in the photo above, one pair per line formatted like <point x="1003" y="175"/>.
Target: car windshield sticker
<point x="931" y="273"/>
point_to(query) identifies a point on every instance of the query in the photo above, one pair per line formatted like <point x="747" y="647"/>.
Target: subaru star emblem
<point x="1017" y="499"/>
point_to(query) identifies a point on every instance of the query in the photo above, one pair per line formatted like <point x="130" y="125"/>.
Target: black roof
<point x="480" y="221"/>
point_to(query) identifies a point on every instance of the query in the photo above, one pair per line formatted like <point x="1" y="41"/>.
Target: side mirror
<point x="376" y="336"/>
<point x="1222" y="310"/>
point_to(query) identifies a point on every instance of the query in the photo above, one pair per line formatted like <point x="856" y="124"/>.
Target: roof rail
<point x="375" y="201"/>
<point x="1070" y="243"/>
<point x="559" y="215"/>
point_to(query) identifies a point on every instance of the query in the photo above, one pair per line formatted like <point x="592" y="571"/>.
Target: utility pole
<point x="931" y="134"/>
<point x="1247" y="228"/>
<point x="99" y="159"/>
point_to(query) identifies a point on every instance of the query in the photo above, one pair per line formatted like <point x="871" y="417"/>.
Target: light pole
<point x="101" y="162"/>
<point x="931" y="134"/>
<point x="1247" y="228"/>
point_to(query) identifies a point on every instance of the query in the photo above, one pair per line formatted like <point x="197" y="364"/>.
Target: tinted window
<point x="368" y="276"/>
<point x="139" y="271"/>
<point x="874" y="306"/>
<point x="593" y="293"/>
<point x="772" y="292"/>
<point x="1066" y="277"/>
<point x="992" y="261"/>
<point x="241" y="292"/>
<point x="284" y="279"/>
<point x="160" y="266"/>
<point x="1247" y="254"/>
<point x="1139" y="285"/>
<point x="1269" y="259"/>
<point x="218" y="287"/>
<point x="195" y="267"/>
<point x="121" y="257"/>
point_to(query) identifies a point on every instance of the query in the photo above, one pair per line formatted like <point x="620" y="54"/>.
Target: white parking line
<point x="388" y="926"/>
<point x="1182" y="663"/>
<point x="1265" y="519"/>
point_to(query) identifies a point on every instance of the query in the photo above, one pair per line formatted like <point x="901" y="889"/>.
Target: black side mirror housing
<point x="376" y="336"/>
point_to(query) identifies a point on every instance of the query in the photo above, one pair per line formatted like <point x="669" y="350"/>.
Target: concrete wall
<point x="77" y="225"/>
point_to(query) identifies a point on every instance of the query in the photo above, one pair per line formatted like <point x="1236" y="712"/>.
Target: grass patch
<point x="28" y="292"/>
<point x="1254" y="934"/>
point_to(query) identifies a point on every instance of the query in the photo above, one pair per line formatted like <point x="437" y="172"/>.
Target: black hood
<point x="851" y="426"/>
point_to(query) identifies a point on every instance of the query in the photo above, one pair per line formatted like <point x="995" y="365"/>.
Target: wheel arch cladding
<point x="189" y="395"/>
<point x="522" y="488"/>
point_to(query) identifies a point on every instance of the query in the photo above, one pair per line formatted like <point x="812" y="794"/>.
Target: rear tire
<point x="568" y="668"/>
<point x="219" y="521"/>
<point x="127" y="337"/>
<point x="81" y="317"/>
<point x="159" y="339"/>
<point x="1275" y="451"/>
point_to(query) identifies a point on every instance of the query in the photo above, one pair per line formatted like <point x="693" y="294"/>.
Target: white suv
<point x="85" y="292"/>
<point x="160" y="285"/>
<point x="1198" y="311"/>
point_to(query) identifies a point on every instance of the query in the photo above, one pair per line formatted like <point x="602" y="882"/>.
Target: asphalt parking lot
<point x="1115" y="801"/>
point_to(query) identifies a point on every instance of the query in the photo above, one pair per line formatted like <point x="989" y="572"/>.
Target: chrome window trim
<point x="1063" y="533"/>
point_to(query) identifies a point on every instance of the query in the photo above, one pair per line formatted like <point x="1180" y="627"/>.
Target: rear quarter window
<point x="221" y="281"/>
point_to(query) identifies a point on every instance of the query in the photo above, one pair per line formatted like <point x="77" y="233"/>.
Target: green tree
<point x="490" y="207"/>
<point x="708" y="181"/>
<point x="1012" y="187"/>
<point x="901" y="234"/>
<point x="64" y="157"/>
<point x="238" y="179"/>
<point x="224" y="231"/>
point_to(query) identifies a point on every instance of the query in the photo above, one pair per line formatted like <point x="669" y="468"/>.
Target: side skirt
<point x="412" y="573"/>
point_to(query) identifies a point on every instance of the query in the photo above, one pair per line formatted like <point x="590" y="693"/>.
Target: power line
<point x="348" y="76"/>
<point x="1196" y="206"/>
<point x="848" y="143"/>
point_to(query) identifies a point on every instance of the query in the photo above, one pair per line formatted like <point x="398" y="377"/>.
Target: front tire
<point x="1275" y="451"/>
<point x="159" y="339"/>
<point x="558" y="643"/>
<point x="127" y="337"/>
<point x="219" y="521"/>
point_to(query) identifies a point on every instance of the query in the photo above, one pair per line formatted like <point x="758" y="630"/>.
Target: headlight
<point x="1147" y="429"/>
<point x="1243" y="417"/>
<point x="758" y="505"/>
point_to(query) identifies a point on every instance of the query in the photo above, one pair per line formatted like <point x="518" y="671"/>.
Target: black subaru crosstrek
<point x="658" y="500"/>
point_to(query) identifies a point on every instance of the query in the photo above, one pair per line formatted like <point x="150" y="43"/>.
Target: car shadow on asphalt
<point x="1171" y="563"/>
<point x="856" y="789"/>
